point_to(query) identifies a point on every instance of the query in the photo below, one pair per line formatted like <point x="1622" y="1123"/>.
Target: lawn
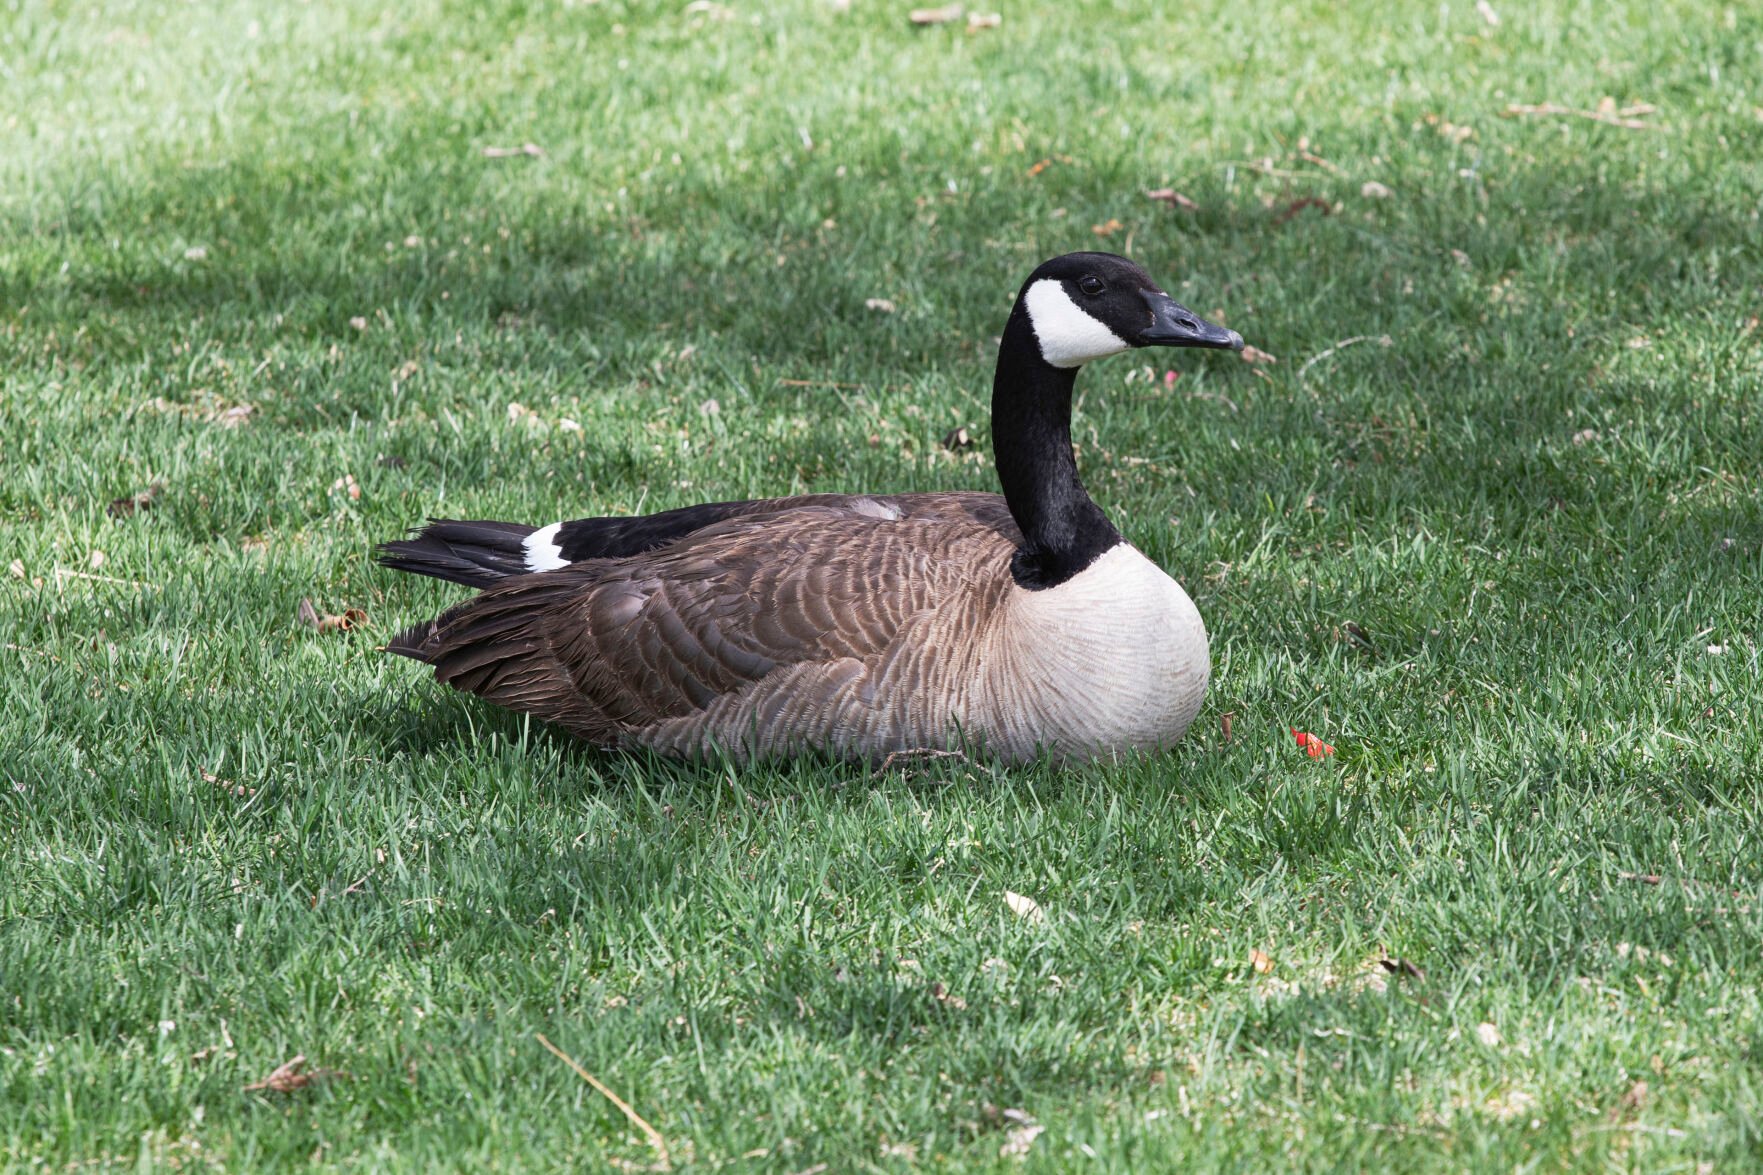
<point x="1486" y="515"/>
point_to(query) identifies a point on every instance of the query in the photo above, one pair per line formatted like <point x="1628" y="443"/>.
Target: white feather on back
<point x="542" y="551"/>
<point x="1069" y="335"/>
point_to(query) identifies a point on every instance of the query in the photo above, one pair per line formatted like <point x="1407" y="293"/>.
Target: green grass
<point x="1541" y="501"/>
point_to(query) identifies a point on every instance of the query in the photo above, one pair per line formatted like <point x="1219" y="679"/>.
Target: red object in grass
<point x="1313" y="746"/>
<point x="1169" y="378"/>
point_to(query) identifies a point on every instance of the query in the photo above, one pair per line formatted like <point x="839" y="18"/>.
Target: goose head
<point x="1085" y="306"/>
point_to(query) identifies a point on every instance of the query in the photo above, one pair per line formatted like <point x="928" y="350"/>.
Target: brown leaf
<point x="1108" y="228"/>
<point x="1261" y="961"/>
<point x="941" y="994"/>
<point x="929" y="16"/>
<point x="957" y="439"/>
<point x="347" y="485"/>
<point x="1256" y="357"/>
<point x="1628" y="1103"/>
<point x="311" y="618"/>
<point x="290" y="1076"/>
<point x="123" y="507"/>
<point x="1024" y="907"/>
<point x="1401" y="967"/>
<point x="1172" y="198"/>
<point x="1224" y="723"/>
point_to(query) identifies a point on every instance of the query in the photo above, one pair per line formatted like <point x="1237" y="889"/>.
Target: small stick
<point x="61" y="573"/>
<point x="654" y="1135"/>
<point x="1607" y="117"/>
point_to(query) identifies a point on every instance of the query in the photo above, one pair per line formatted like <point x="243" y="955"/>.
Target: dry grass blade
<point x="624" y="1107"/>
<point x="531" y="150"/>
<point x="1380" y="340"/>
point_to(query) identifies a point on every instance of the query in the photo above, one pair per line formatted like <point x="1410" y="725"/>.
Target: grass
<point x="1539" y="500"/>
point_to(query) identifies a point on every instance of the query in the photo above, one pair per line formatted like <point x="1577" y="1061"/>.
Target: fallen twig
<point x="652" y="1134"/>
<point x="916" y="753"/>
<point x="1686" y="882"/>
<point x="1627" y="118"/>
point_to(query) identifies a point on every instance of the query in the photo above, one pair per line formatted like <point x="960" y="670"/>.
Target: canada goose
<point x="855" y="625"/>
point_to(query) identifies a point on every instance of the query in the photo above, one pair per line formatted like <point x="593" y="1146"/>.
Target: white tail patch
<point x="1069" y="335"/>
<point x="542" y="551"/>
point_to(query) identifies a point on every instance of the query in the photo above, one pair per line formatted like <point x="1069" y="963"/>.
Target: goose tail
<point x="476" y="554"/>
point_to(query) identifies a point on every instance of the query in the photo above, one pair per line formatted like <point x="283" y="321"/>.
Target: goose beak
<point x="1174" y="325"/>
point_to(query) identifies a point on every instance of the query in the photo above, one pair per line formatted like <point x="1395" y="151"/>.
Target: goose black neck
<point x="1063" y="530"/>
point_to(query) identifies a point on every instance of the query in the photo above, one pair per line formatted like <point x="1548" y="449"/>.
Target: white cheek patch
<point x="1068" y="334"/>
<point x="542" y="551"/>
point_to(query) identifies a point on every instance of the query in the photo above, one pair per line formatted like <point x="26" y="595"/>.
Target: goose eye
<point x="1091" y="285"/>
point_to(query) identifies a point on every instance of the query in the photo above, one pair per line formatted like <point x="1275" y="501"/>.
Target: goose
<point x="855" y="626"/>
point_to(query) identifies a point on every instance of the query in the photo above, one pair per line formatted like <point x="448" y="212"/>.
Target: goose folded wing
<point x="611" y="645"/>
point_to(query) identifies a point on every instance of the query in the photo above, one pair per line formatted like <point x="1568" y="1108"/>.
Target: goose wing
<point x="611" y="647"/>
